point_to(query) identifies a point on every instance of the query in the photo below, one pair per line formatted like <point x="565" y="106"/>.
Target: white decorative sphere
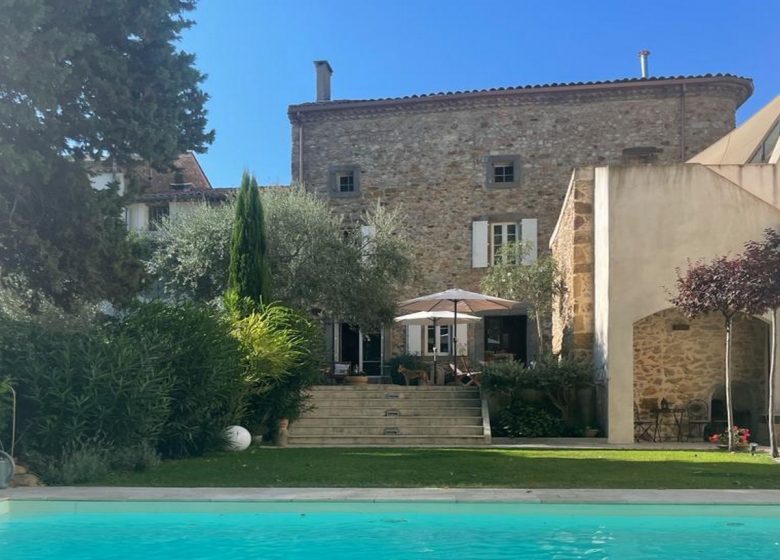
<point x="237" y="438"/>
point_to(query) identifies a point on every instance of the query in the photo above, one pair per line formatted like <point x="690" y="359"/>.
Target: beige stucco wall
<point x="761" y="180"/>
<point x="648" y="221"/>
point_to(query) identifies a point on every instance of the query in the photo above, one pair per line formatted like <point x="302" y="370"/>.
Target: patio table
<point x="662" y="415"/>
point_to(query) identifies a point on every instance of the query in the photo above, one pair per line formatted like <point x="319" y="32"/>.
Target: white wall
<point x="658" y="218"/>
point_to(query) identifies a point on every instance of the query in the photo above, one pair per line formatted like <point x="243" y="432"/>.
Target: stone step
<point x="332" y="431"/>
<point x="391" y="411"/>
<point x="385" y="441"/>
<point x="385" y="421"/>
<point x="333" y="402"/>
<point x="398" y="388"/>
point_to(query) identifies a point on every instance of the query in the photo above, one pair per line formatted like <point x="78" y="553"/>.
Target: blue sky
<point x="258" y="55"/>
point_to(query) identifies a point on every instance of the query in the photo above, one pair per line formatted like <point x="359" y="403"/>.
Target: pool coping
<point x="379" y="495"/>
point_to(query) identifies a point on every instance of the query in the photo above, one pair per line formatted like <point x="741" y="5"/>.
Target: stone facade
<point x="572" y="248"/>
<point x="428" y="155"/>
<point x="680" y="360"/>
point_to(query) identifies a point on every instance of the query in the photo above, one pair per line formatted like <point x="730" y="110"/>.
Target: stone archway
<point x="680" y="360"/>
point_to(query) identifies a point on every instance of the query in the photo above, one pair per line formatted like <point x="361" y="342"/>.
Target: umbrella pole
<point x="435" y="348"/>
<point x="454" y="337"/>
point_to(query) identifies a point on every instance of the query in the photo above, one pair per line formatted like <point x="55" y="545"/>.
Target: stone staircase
<point x="392" y="415"/>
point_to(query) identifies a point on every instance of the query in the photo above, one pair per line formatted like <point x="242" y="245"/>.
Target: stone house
<point x="621" y="234"/>
<point x="473" y="170"/>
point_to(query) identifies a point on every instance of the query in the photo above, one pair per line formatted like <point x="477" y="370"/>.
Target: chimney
<point x="324" y="72"/>
<point x="642" y="61"/>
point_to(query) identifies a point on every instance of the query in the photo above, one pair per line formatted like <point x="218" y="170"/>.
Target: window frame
<point x="335" y="173"/>
<point x="504" y="238"/>
<point x="153" y="218"/>
<point x="437" y="340"/>
<point x="497" y="161"/>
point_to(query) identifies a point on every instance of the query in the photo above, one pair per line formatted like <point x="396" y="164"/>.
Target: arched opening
<point x="679" y="375"/>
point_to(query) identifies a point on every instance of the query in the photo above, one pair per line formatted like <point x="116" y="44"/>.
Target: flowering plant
<point x="741" y="437"/>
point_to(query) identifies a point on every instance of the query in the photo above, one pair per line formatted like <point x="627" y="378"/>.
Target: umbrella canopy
<point x="470" y="302"/>
<point x="431" y="317"/>
<point x="456" y="300"/>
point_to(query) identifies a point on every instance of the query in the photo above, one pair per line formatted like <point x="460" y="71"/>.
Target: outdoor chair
<point x="698" y="414"/>
<point x="466" y="377"/>
<point x="642" y="428"/>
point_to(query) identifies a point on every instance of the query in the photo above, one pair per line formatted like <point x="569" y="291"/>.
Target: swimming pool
<point x="290" y="530"/>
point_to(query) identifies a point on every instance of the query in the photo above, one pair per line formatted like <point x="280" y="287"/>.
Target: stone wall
<point x="572" y="248"/>
<point x="683" y="365"/>
<point x="427" y="156"/>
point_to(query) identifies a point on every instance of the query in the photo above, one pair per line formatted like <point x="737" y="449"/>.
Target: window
<point x="502" y="171"/>
<point x="490" y="233"/>
<point x="501" y="235"/>
<point x="437" y="337"/>
<point x="156" y="215"/>
<point x="767" y="147"/>
<point x="344" y="181"/>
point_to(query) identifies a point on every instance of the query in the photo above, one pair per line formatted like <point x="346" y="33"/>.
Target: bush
<point x="79" y="462"/>
<point x="76" y="386"/>
<point x="140" y="457"/>
<point x="558" y="379"/>
<point x="202" y="364"/>
<point x="522" y="420"/>
<point x="281" y="360"/>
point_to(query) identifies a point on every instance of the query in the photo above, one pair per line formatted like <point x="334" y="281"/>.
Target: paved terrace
<point x="379" y="495"/>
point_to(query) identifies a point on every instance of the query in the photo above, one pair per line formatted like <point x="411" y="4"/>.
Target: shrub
<point x="281" y="358"/>
<point x="557" y="379"/>
<point x="136" y="458"/>
<point x="202" y="364"/>
<point x="76" y="386"/>
<point x="78" y="462"/>
<point x="522" y="420"/>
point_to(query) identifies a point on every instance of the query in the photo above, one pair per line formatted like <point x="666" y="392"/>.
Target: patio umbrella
<point x="434" y="318"/>
<point x="451" y="300"/>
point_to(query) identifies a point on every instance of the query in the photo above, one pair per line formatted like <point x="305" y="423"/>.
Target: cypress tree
<point x="248" y="273"/>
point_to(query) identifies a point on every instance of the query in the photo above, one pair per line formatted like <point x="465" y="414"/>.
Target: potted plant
<point x="590" y="431"/>
<point x="356" y="378"/>
<point x="741" y="439"/>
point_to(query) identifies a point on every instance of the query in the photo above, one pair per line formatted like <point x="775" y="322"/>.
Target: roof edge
<point x="632" y="83"/>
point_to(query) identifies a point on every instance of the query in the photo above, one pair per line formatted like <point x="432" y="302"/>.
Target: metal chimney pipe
<point x="324" y="72"/>
<point x="643" y="61"/>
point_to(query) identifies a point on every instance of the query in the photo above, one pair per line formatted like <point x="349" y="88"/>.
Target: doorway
<point x="505" y="337"/>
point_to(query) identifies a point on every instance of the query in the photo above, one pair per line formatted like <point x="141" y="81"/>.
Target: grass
<point x="510" y="468"/>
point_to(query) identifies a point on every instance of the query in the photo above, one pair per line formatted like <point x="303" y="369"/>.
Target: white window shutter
<point x="528" y="229"/>
<point x="463" y="339"/>
<point x="479" y="244"/>
<point x="414" y="339"/>
<point x="368" y="233"/>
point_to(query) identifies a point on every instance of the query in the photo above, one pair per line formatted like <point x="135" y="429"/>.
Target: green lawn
<point x="463" y="467"/>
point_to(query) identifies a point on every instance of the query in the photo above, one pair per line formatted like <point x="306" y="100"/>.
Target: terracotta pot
<point x="356" y="379"/>
<point x="284" y="423"/>
<point x="593" y="432"/>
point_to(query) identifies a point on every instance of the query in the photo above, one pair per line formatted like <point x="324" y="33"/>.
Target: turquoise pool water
<point x="397" y="531"/>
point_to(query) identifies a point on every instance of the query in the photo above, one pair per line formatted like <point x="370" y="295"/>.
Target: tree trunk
<point x="538" y="315"/>
<point x="729" y="411"/>
<point x="771" y="381"/>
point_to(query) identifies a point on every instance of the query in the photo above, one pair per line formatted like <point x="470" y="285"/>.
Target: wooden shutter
<point x="528" y="230"/>
<point x="463" y="339"/>
<point x="479" y="244"/>
<point x="414" y="339"/>
<point x="368" y="233"/>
